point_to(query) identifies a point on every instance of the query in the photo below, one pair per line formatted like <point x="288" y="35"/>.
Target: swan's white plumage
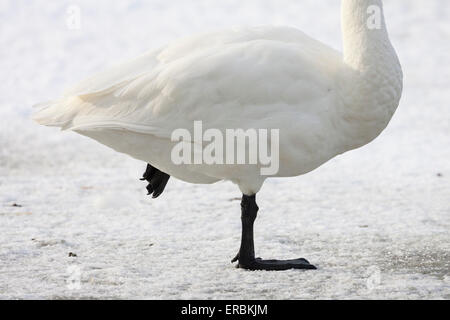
<point x="261" y="77"/>
<point x="201" y="76"/>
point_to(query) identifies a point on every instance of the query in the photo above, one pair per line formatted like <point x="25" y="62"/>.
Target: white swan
<point x="323" y="102"/>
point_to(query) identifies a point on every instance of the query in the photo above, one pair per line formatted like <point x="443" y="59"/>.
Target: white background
<point x="375" y="221"/>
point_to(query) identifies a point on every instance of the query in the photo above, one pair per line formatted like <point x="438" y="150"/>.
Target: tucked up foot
<point x="157" y="181"/>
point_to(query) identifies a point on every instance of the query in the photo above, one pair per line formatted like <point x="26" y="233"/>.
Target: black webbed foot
<point x="246" y="255"/>
<point x="276" y="265"/>
<point x="157" y="181"/>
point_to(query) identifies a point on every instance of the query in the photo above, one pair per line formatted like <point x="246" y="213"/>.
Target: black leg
<point x="246" y="256"/>
<point x="157" y="181"/>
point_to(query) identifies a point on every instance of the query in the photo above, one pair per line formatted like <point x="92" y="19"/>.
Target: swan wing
<point x="229" y="79"/>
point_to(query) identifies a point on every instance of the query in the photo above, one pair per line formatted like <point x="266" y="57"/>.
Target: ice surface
<point x="375" y="221"/>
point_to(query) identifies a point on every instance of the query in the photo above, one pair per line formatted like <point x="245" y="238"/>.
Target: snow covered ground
<point x="375" y="221"/>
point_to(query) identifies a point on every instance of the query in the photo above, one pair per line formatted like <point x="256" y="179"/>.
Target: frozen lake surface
<point x="375" y="221"/>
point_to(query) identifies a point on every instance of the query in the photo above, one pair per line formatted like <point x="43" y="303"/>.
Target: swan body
<point x="324" y="103"/>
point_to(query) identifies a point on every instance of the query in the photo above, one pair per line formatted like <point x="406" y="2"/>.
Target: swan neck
<point x="364" y="32"/>
<point x="371" y="80"/>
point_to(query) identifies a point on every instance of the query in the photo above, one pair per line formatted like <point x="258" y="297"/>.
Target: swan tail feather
<point x="78" y="115"/>
<point x="58" y="113"/>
